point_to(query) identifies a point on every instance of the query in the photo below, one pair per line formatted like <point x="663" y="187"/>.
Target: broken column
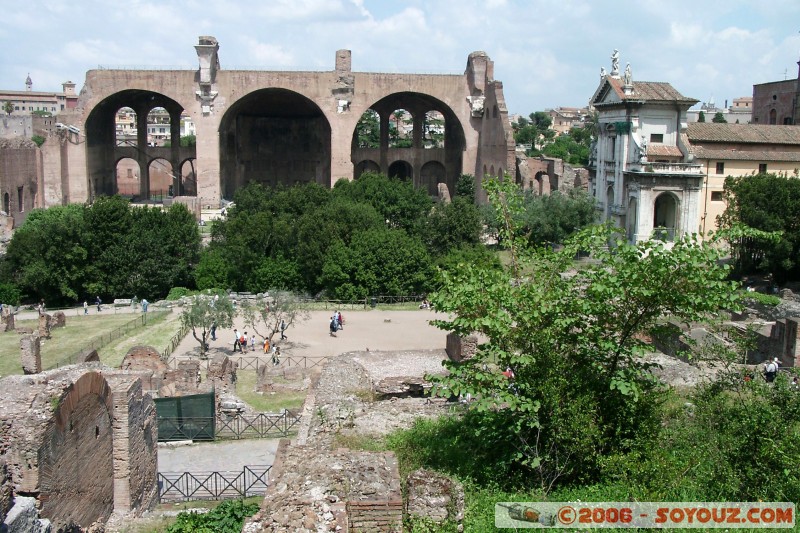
<point x="45" y="322"/>
<point x="7" y="320"/>
<point x="30" y="346"/>
<point x="460" y="348"/>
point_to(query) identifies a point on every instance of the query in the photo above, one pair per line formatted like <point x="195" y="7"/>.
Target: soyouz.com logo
<point x="645" y="514"/>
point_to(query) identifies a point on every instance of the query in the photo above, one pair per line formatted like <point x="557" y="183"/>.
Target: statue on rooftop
<point x="627" y="75"/>
<point x="615" y="62"/>
<point x="602" y="72"/>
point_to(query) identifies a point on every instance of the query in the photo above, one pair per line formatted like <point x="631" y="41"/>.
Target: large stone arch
<point x="76" y="472"/>
<point x="365" y="166"/>
<point x="274" y="136"/>
<point x="666" y="216"/>
<point x="102" y="151"/>
<point x="418" y="104"/>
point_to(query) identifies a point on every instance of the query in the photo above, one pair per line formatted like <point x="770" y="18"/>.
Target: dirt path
<point x="375" y="329"/>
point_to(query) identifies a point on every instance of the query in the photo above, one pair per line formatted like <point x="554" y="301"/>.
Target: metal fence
<point x="254" y="362"/>
<point x="108" y="338"/>
<point x="174" y="342"/>
<point x="186" y="486"/>
<point x="262" y="425"/>
<point x="364" y="303"/>
<point x="209" y="428"/>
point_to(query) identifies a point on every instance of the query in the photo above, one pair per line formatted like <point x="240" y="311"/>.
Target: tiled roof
<point x="663" y="150"/>
<point x="743" y="133"/>
<point x="745" y="155"/>
<point x="653" y="91"/>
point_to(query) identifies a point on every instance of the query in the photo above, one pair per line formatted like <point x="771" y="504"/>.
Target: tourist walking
<point x="253" y="343"/>
<point x="98" y="302"/>
<point x="771" y="370"/>
<point x="236" y="343"/>
<point x="85" y="307"/>
<point x="333" y="326"/>
<point x="145" y="303"/>
<point x="276" y="356"/>
<point x="283" y="330"/>
<point x="213" y="331"/>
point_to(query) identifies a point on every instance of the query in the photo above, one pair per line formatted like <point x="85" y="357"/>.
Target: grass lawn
<point x="157" y="334"/>
<point x="265" y="402"/>
<point x="79" y="332"/>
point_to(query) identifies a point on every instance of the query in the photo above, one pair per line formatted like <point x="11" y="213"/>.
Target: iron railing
<point x="187" y="486"/>
<point x="174" y="342"/>
<point x="254" y="362"/>
<point x="207" y="428"/>
<point x="186" y="428"/>
<point x="261" y="426"/>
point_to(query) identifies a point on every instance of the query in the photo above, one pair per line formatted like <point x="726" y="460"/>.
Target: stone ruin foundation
<point x="317" y="486"/>
<point x="31" y="354"/>
<point x="80" y="442"/>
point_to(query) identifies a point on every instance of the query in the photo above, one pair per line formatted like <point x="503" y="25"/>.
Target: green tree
<point x="38" y="139"/>
<point x="212" y="270"/>
<point x="701" y="117"/>
<point x="770" y="203"/>
<point x="535" y="130"/>
<point x="572" y="147"/>
<point x="265" y="317"/>
<point x="399" y="203"/>
<point x="453" y="224"/>
<point x="8" y="107"/>
<point x="719" y="118"/>
<point x="47" y="256"/>
<point x="204" y="311"/>
<point x="465" y="187"/>
<point x="379" y="261"/>
<point x="368" y="130"/>
<point x="553" y="218"/>
<point x="580" y="389"/>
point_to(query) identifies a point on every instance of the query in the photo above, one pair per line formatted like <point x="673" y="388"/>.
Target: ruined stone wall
<point x="59" y="436"/>
<point x="19" y="177"/>
<point x="135" y="446"/>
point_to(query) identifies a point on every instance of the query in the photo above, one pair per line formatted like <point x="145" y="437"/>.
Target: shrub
<point x="763" y="299"/>
<point x="9" y="293"/>
<point x="176" y="293"/>
<point x="227" y="517"/>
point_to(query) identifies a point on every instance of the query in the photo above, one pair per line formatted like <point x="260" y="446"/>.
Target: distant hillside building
<point x="739" y="150"/>
<point x="566" y="118"/>
<point x="641" y="171"/>
<point x="27" y="101"/>
<point x="777" y="102"/>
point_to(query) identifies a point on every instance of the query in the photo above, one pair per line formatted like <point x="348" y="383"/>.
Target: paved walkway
<point x="219" y="456"/>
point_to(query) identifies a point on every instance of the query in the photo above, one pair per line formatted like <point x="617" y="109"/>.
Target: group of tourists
<point x="336" y="323"/>
<point x="241" y="342"/>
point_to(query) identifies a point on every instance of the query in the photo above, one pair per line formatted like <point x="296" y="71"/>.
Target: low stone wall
<point x="461" y="348"/>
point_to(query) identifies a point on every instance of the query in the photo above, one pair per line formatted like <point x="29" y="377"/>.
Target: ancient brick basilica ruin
<point x="277" y="128"/>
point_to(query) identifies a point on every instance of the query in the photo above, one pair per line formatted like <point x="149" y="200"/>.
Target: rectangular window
<point x="720" y="168"/>
<point x="716" y="196"/>
<point x="762" y="168"/>
<point x="656" y="137"/>
<point x="19" y="199"/>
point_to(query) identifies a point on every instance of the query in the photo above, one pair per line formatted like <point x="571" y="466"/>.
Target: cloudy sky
<point x="547" y="53"/>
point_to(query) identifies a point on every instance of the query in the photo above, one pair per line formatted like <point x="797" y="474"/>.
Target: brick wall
<point x="375" y="515"/>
